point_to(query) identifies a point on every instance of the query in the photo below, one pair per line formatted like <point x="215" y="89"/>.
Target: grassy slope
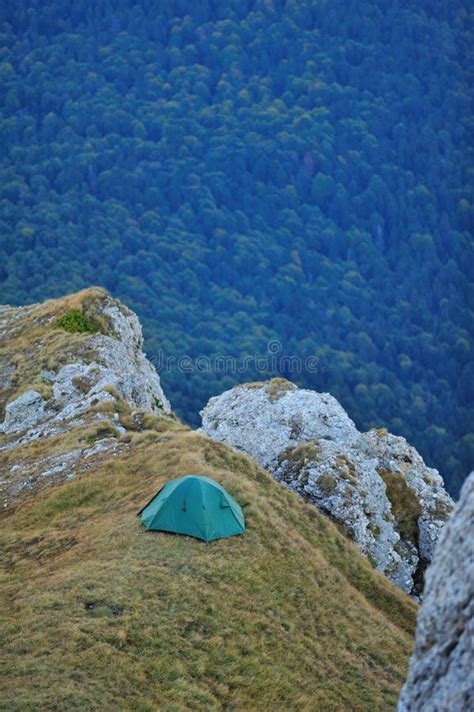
<point x="98" y="614"/>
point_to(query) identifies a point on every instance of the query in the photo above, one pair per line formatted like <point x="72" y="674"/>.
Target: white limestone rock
<point x="129" y="371"/>
<point x="344" y="484"/>
<point x="395" y="455"/>
<point x="441" y="672"/>
<point x="106" y="366"/>
<point x="263" y="419"/>
<point x="23" y="412"/>
<point x="378" y="487"/>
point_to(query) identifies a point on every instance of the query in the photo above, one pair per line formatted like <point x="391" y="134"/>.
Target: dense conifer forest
<point x="242" y="171"/>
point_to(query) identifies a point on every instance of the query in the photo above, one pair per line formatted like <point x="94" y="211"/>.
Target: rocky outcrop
<point x="376" y="485"/>
<point x="72" y="367"/>
<point x="441" y="673"/>
<point x="116" y="367"/>
<point x="264" y="419"/>
<point x="124" y="363"/>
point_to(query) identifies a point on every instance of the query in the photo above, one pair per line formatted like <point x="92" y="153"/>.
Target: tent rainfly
<point x="196" y="506"/>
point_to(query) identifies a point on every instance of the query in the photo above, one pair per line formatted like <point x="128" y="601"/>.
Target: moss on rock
<point x="406" y="507"/>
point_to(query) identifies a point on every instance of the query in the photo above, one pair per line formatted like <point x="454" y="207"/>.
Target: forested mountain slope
<point x="242" y="171"/>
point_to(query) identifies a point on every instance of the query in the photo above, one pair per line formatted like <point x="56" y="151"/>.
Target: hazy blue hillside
<point x="244" y="171"/>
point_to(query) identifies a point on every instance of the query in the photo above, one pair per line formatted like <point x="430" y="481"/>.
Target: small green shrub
<point x="158" y="403"/>
<point x="76" y="322"/>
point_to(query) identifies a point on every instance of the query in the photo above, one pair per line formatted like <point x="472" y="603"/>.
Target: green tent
<point x="194" y="505"/>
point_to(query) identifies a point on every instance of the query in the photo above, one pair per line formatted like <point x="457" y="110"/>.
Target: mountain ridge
<point x="96" y="612"/>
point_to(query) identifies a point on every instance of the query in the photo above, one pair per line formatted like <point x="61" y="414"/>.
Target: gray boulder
<point x="376" y="485"/>
<point x="441" y="672"/>
<point x="264" y="419"/>
<point x="23" y="412"/>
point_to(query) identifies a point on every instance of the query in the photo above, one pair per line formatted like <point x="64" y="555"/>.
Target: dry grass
<point x="297" y="456"/>
<point x="99" y="614"/>
<point x="276" y="387"/>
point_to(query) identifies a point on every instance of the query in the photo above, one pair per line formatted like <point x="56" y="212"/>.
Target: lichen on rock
<point x="374" y="484"/>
